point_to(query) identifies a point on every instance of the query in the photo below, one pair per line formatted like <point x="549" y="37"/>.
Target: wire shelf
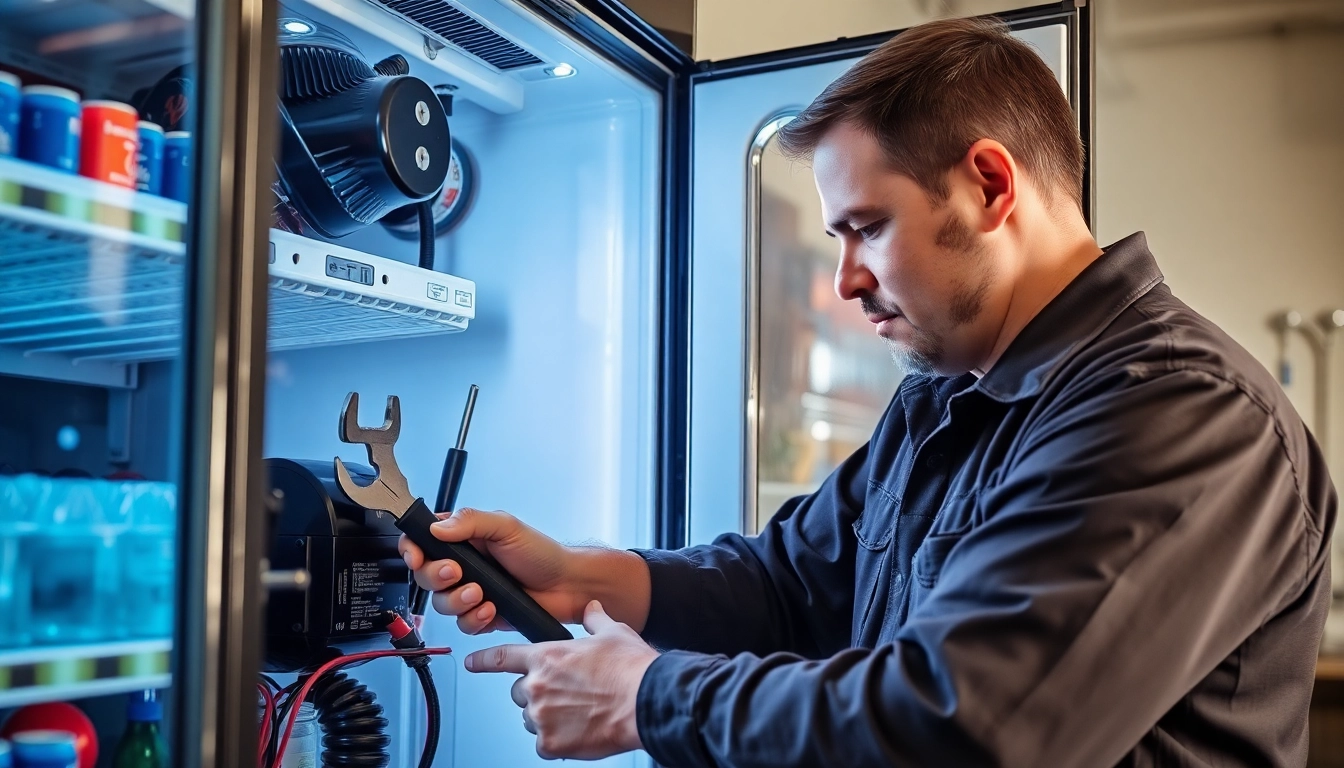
<point x="96" y="274"/>
<point x="61" y="673"/>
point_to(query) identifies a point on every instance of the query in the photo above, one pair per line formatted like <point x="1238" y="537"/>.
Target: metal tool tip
<point x="466" y="417"/>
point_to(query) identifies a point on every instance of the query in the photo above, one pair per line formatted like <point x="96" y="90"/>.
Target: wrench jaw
<point x="389" y="491"/>
<point x="387" y="434"/>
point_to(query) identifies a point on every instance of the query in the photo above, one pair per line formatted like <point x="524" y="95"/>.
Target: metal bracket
<point x="432" y="47"/>
<point x="119" y="425"/>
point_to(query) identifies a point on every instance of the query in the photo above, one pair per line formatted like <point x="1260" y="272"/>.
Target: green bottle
<point x="141" y="746"/>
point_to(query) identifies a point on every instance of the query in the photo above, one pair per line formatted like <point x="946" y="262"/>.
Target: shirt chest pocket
<point x="954" y="521"/>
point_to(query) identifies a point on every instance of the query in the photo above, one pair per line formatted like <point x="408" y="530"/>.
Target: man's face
<point x="922" y="274"/>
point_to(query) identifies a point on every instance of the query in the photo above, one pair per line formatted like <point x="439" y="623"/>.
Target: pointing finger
<point x="502" y="658"/>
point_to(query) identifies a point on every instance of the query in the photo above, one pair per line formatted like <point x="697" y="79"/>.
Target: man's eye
<point x="870" y="231"/>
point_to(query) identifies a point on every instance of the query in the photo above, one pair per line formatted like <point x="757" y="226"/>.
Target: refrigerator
<point x="600" y="268"/>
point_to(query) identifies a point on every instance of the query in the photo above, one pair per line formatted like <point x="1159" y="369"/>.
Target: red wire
<point x="268" y="714"/>
<point x="302" y="693"/>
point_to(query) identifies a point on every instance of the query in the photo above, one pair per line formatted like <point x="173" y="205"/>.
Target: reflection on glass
<point x="825" y="376"/>
<point x="95" y="136"/>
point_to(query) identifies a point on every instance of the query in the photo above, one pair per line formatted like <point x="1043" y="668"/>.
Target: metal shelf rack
<point x="92" y="282"/>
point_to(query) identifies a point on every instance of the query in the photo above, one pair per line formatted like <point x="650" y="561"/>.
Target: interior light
<point x="561" y="70"/>
<point x="298" y="27"/>
<point x="67" y="438"/>
<point x="821" y="431"/>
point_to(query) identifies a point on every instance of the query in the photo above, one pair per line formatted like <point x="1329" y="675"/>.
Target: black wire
<point x="281" y="715"/>
<point x="425" y="212"/>
<point x="421" y="667"/>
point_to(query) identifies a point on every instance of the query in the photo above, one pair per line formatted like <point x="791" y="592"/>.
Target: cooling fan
<point x="357" y="141"/>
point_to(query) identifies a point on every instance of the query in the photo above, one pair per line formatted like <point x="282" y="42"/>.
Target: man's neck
<point x="1053" y="257"/>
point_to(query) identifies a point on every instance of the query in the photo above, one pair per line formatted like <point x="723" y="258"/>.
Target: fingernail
<point x="447" y="522"/>
<point x="469" y="662"/>
<point x="471" y="594"/>
<point x="446" y="572"/>
<point x="484" y="612"/>
<point x="406" y="558"/>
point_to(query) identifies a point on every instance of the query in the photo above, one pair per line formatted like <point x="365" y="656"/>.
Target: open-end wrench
<point x="390" y="493"/>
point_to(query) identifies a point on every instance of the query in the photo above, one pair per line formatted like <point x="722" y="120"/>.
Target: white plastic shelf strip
<point x="92" y="272"/>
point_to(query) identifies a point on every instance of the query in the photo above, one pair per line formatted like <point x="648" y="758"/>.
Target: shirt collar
<point x="1124" y="272"/>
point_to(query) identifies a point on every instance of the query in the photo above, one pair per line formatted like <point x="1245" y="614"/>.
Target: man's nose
<point x="852" y="277"/>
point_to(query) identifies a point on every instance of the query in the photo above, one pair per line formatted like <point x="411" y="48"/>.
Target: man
<point x="1089" y="530"/>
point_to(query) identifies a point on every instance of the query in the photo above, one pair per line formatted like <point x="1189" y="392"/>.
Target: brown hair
<point x="930" y="93"/>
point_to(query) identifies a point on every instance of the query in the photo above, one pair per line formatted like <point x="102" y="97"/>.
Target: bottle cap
<point x="144" y="707"/>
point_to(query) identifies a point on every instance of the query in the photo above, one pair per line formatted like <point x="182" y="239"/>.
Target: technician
<point x="1090" y="529"/>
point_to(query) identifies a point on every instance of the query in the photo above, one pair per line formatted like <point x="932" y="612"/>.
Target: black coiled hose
<point x="356" y="731"/>
<point x="352" y="718"/>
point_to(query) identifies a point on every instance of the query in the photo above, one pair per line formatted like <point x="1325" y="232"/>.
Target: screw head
<point x="422" y="158"/>
<point x="422" y="112"/>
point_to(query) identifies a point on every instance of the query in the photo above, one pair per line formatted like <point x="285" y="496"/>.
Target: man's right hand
<point x="562" y="579"/>
<point x="545" y="568"/>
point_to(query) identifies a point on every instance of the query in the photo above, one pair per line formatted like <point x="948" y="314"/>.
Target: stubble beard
<point x="924" y="354"/>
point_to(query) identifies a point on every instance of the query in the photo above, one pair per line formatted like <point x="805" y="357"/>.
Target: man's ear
<point x="992" y="171"/>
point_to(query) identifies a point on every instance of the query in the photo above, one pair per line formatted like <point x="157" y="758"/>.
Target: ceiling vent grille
<point x="462" y="31"/>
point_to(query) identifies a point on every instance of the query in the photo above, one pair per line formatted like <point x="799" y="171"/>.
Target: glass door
<point x="820" y="378"/>
<point x="116" y="379"/>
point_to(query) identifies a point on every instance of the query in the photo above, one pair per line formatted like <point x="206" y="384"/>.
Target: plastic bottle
<point x="17" y="504"/>
<point x="301" y="751"/>
<point x="76" y="591"/>
<point x="147" y="557"/>
<point x="141" y="746"/>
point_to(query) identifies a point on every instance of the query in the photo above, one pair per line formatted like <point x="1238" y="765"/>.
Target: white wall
<point x="729" y="28"/>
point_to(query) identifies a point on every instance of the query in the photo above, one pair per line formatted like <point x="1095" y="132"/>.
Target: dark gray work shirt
<point x="1111" y="549"/>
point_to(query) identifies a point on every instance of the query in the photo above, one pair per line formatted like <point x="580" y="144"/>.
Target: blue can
<point x="49" y="127"/>
<point x="45" y="749"/>
<point x="177" y="165"/>
<point x="10" y="99"/>
<point x="149" y="158"/>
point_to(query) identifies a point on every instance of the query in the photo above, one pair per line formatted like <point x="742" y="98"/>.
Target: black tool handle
<point x="454" y="467"/>
<point x="498" y="585"/>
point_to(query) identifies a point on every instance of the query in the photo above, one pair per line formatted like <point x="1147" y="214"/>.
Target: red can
<point x="108" y="142"/>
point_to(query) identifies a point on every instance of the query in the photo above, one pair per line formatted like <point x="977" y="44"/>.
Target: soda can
<point x="149" y="158"/>
<point x="10" y="99"/>
<point x="44" y="749"/>
<point x="108" y="142"/>
<point x="49" y="127"/>
<point x="177" y="165"/>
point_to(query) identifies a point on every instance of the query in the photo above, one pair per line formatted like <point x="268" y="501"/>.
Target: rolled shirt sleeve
<point x="1148" y="523"/>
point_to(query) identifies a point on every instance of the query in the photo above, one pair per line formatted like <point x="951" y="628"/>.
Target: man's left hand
<point x="578" y="696"/>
